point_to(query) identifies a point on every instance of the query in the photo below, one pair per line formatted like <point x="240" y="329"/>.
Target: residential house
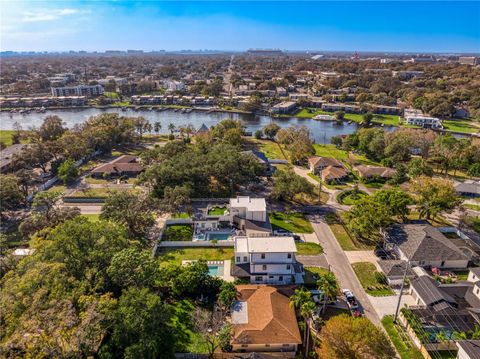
<point x="425" y="246"/>
<point x="394" y="270"/>
<point x="329" y="169"/>
<point x="261" y="158"/>
<point x="374" y="172"/>
<point x="264" y="321"/>
<point x="250" y="215"/>
<point x="267" y="260"/>
<point x="468" y="188"/>
<point x="445" y="307"/>
<point x="468" y="349"/>
<point x="125" y="165"/>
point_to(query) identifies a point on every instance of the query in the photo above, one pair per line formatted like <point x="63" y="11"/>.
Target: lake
<point x="322" y="131"/>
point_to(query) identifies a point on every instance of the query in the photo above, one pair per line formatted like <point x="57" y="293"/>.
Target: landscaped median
<point x="343" y="237"/>
<point x="373" y="281"/>
<point x="349" y="197"/>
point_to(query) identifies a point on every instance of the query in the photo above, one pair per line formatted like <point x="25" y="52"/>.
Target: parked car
<point x="352" y="303"/>
<point x="317" y="296"/>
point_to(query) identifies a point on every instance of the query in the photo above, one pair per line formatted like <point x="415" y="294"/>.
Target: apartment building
<point x="267" y="260"/>
<point x="80" y="90"/>
<point x="407" y="75"/>
<point x="469" y="60"/>
<point x="284" y="107"/>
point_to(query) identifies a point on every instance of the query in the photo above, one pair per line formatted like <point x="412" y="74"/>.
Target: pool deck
<point x="227" y="264"/>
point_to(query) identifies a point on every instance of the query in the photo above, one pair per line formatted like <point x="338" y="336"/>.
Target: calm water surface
<point x="322" y="131"/>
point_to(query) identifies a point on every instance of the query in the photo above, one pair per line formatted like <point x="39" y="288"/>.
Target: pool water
<point x="218" y="236"/>
<point x="215" y="270"/>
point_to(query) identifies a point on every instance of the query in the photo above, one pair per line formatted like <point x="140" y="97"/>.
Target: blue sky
<point x="430" y="26"/>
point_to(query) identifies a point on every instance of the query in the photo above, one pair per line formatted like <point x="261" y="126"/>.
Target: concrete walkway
<point x="363" y="256"/>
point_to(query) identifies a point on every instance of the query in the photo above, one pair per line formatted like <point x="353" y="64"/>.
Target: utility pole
<point x="401" y="291"/>
<point x="320" y="186"/>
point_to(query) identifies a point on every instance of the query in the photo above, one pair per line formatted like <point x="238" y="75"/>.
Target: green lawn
<point x="6" y="137"/>
<point x="309" y="249"/>
<point x="330" y="151"/>
<point x="343" y="237"/>
<point x="176" y="255"/>
<point x="365" y="272"/>
<point x="270" y="148"/>
<point x="350" y="197"/>
<point x="293" y="222"/>
<point x="178" y="232"/>
<point x="400" y="339"/>
<point x="463" y="126"/>
<point x="312" y="274"/>
<point x="181" y="215"/>
<point x="217" y="211"/>
<point x="92" y="217"/>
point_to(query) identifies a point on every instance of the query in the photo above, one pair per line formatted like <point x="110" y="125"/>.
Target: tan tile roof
<point x="271" y="320"/>
<point x="370" y="171"/>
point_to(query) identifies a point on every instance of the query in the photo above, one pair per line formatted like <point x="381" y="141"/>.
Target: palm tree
<point x="302" y="301"/>
<point x="157" y="127"/>
<point x="171" y="128"/>
<point x="328" y="285"/>
<point x="306" y="311"/>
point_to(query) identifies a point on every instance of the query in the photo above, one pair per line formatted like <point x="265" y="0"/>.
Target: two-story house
<point x="250" y="215"/>
<point x="267" y="260"/>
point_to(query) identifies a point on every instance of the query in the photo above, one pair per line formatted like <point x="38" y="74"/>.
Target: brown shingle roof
<point x="122" y="164"/>
<point x="333" y="173"/>
<point x="323" y="162"/>
<point x="271" y="320"/>
<point x="370" y="171"/>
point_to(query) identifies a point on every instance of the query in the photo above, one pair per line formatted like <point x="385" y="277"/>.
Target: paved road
<point x="341" y="267"/>
<point x="85" y="208"/>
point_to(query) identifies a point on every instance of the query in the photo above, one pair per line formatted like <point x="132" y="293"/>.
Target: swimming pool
<point x="218" y="236"/>
<point x="215" y="270"/>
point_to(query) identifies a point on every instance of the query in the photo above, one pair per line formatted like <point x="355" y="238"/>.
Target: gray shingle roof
<point x="423" y="242"/>
<point x="395" y="268"/>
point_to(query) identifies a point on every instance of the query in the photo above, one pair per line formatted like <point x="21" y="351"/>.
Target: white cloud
<point x="51" y="15"/>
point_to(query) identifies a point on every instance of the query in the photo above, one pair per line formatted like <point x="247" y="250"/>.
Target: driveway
<point x="341" y="267"/>
<point x="363" y="256"/>
<point x="387" y="305"/>
<point x="319" y="261"/>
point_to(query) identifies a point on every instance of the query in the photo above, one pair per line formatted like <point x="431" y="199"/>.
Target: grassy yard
<point x="293" y="222"/>
<point x="92" y="193"/>
<point x="270" y="148"/>
<point x="343" y="237"/>
<point x="475" y="207"/>
<point x="57" y="188"/>
<point x="463" y="126"/>
<point x="365" y="272"/>
<point x="330" y="151"/>
<point x="312" y="274"/>
<point x="436" y="222"/>
<point x="6" y="137"/>
<point x="181" y="215"/>
<point x="178" y="232"/>
<point x="176" y="255"/>
<point x="400" y="339"/>
<point x="309" y="249"/>
<point x="217" y="211"/>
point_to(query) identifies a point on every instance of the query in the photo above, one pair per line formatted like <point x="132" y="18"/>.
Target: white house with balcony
<point x="267" y="260"/>
<point x="250" y="215"/>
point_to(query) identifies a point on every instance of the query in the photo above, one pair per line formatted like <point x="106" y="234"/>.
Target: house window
<point x="289" y="255"/>
<point x="288" y="266"/>
<point x="264" y="267"/>
<point x="478" y="290"/>
<point x="280" y="278"/>
<point x="270" y="277"/>
<point x="245" y="259"/>
<point x="238" y="259"/>
<point x="285" y="345"/>
<point x="244" y="345"/>
<point x="267" y="345"/>
<point x="263" y="256"/>
<point x="258" y="279"/>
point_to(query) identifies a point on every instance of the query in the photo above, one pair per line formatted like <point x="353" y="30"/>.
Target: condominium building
<point x="417" y="118"/>
<point x="80" y="90"/>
